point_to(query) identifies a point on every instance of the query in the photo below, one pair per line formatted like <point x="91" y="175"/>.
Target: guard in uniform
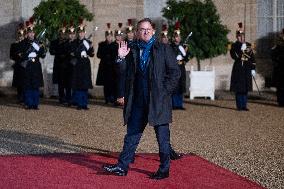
<point x="277" y="55"/>
<point x="16" y="56"/>
<point x="243" y="69"/>
<point x="61" y="66"/>
<point x="130" y="34"/>
<point x="119" y="68"/>
<point x="182" y="59"/>
<point x="71" y="59"/>
<point x="32" y="50"/>
<point x="106" y="69"/>
<point x="81" y="74"/>
<point x="164" y="34"/>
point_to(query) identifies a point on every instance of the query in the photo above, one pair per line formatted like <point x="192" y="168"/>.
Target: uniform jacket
<point x="61" y="67"/>
<point x="19" y="71"/>
<point x="81" y="72"/>
<point x="33" y="77"/>
<point x="182" y="81"/>
<point x="106" y="52"/>
<point x="277" y="55"/>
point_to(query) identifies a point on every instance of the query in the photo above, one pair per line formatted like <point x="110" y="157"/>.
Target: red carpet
<point x="84" y="171"/>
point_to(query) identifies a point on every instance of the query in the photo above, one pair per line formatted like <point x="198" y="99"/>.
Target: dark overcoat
<point x="19" y="71"/>
<point x="106" y="52"/>
<point x="164" y="75"/>
<point x="61" y="67"/>
<point x="277" y="55"/>
<point x="241" y="78"/>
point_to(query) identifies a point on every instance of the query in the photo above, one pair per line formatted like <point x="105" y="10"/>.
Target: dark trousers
<point x="64" y="94"/>
<point x="20" y="94"/>
<point x="135" y="127"/>
<point x="80" y="98"/>
<point x="31" y="97"/>
<point x="241" y="100"/>
<point x="110" y="91"/>
<point x="280" y="96"/>
<point x="177" y="100"/>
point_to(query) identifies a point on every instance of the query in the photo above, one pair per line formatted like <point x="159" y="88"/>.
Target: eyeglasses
<point x="144" y="30"/>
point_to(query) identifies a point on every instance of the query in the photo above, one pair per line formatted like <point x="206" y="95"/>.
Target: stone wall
<point x="10" y="11"/>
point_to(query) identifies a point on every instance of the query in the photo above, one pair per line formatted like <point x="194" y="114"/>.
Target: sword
<point x="256" y="85"/>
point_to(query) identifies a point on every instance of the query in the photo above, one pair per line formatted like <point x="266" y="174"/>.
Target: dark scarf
<point x="146" y="48"/>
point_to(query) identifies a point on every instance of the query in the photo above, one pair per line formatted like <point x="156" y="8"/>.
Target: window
<point x="270" y="18"/>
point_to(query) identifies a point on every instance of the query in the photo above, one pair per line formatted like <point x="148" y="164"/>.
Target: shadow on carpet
<point x="85" y="171"/>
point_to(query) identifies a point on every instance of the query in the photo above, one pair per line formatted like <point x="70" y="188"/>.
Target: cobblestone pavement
<point x="248" y="143"/>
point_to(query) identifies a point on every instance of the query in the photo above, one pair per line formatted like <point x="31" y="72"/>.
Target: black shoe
<point x="115" y="104"/>
<point x="175" y="156"/>
<point x="85" y="108"/>
<point x="245" y="109"/>
<point x="28" y="107"/>
<point x="20" y="101"/>
<point x="35" y="108"/>
<point x="61" y="101"/>
<point x="178" y="108"/>
<point x="114" y="169"/>
<point x="159" y="175"/>
<point x="79" y="108"/>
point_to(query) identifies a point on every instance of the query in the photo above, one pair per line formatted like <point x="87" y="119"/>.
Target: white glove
<point x="179" y="57"/>
<point x="182" y="50"/>
<point x="253" y="72"/>
<point x="86" y="44"/>
<point x="244" y="46"/>
<point x="35" y="46"/>
<point x="83" y="54"/>
<point x="32" y="55"/>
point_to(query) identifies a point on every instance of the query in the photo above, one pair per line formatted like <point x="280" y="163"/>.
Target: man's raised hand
<point x="123" y="50"/>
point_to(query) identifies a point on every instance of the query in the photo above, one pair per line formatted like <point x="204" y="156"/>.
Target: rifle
<point x="187" y="38"/>
<point x="41" y="34"/>
<point x="91" y="35"/>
